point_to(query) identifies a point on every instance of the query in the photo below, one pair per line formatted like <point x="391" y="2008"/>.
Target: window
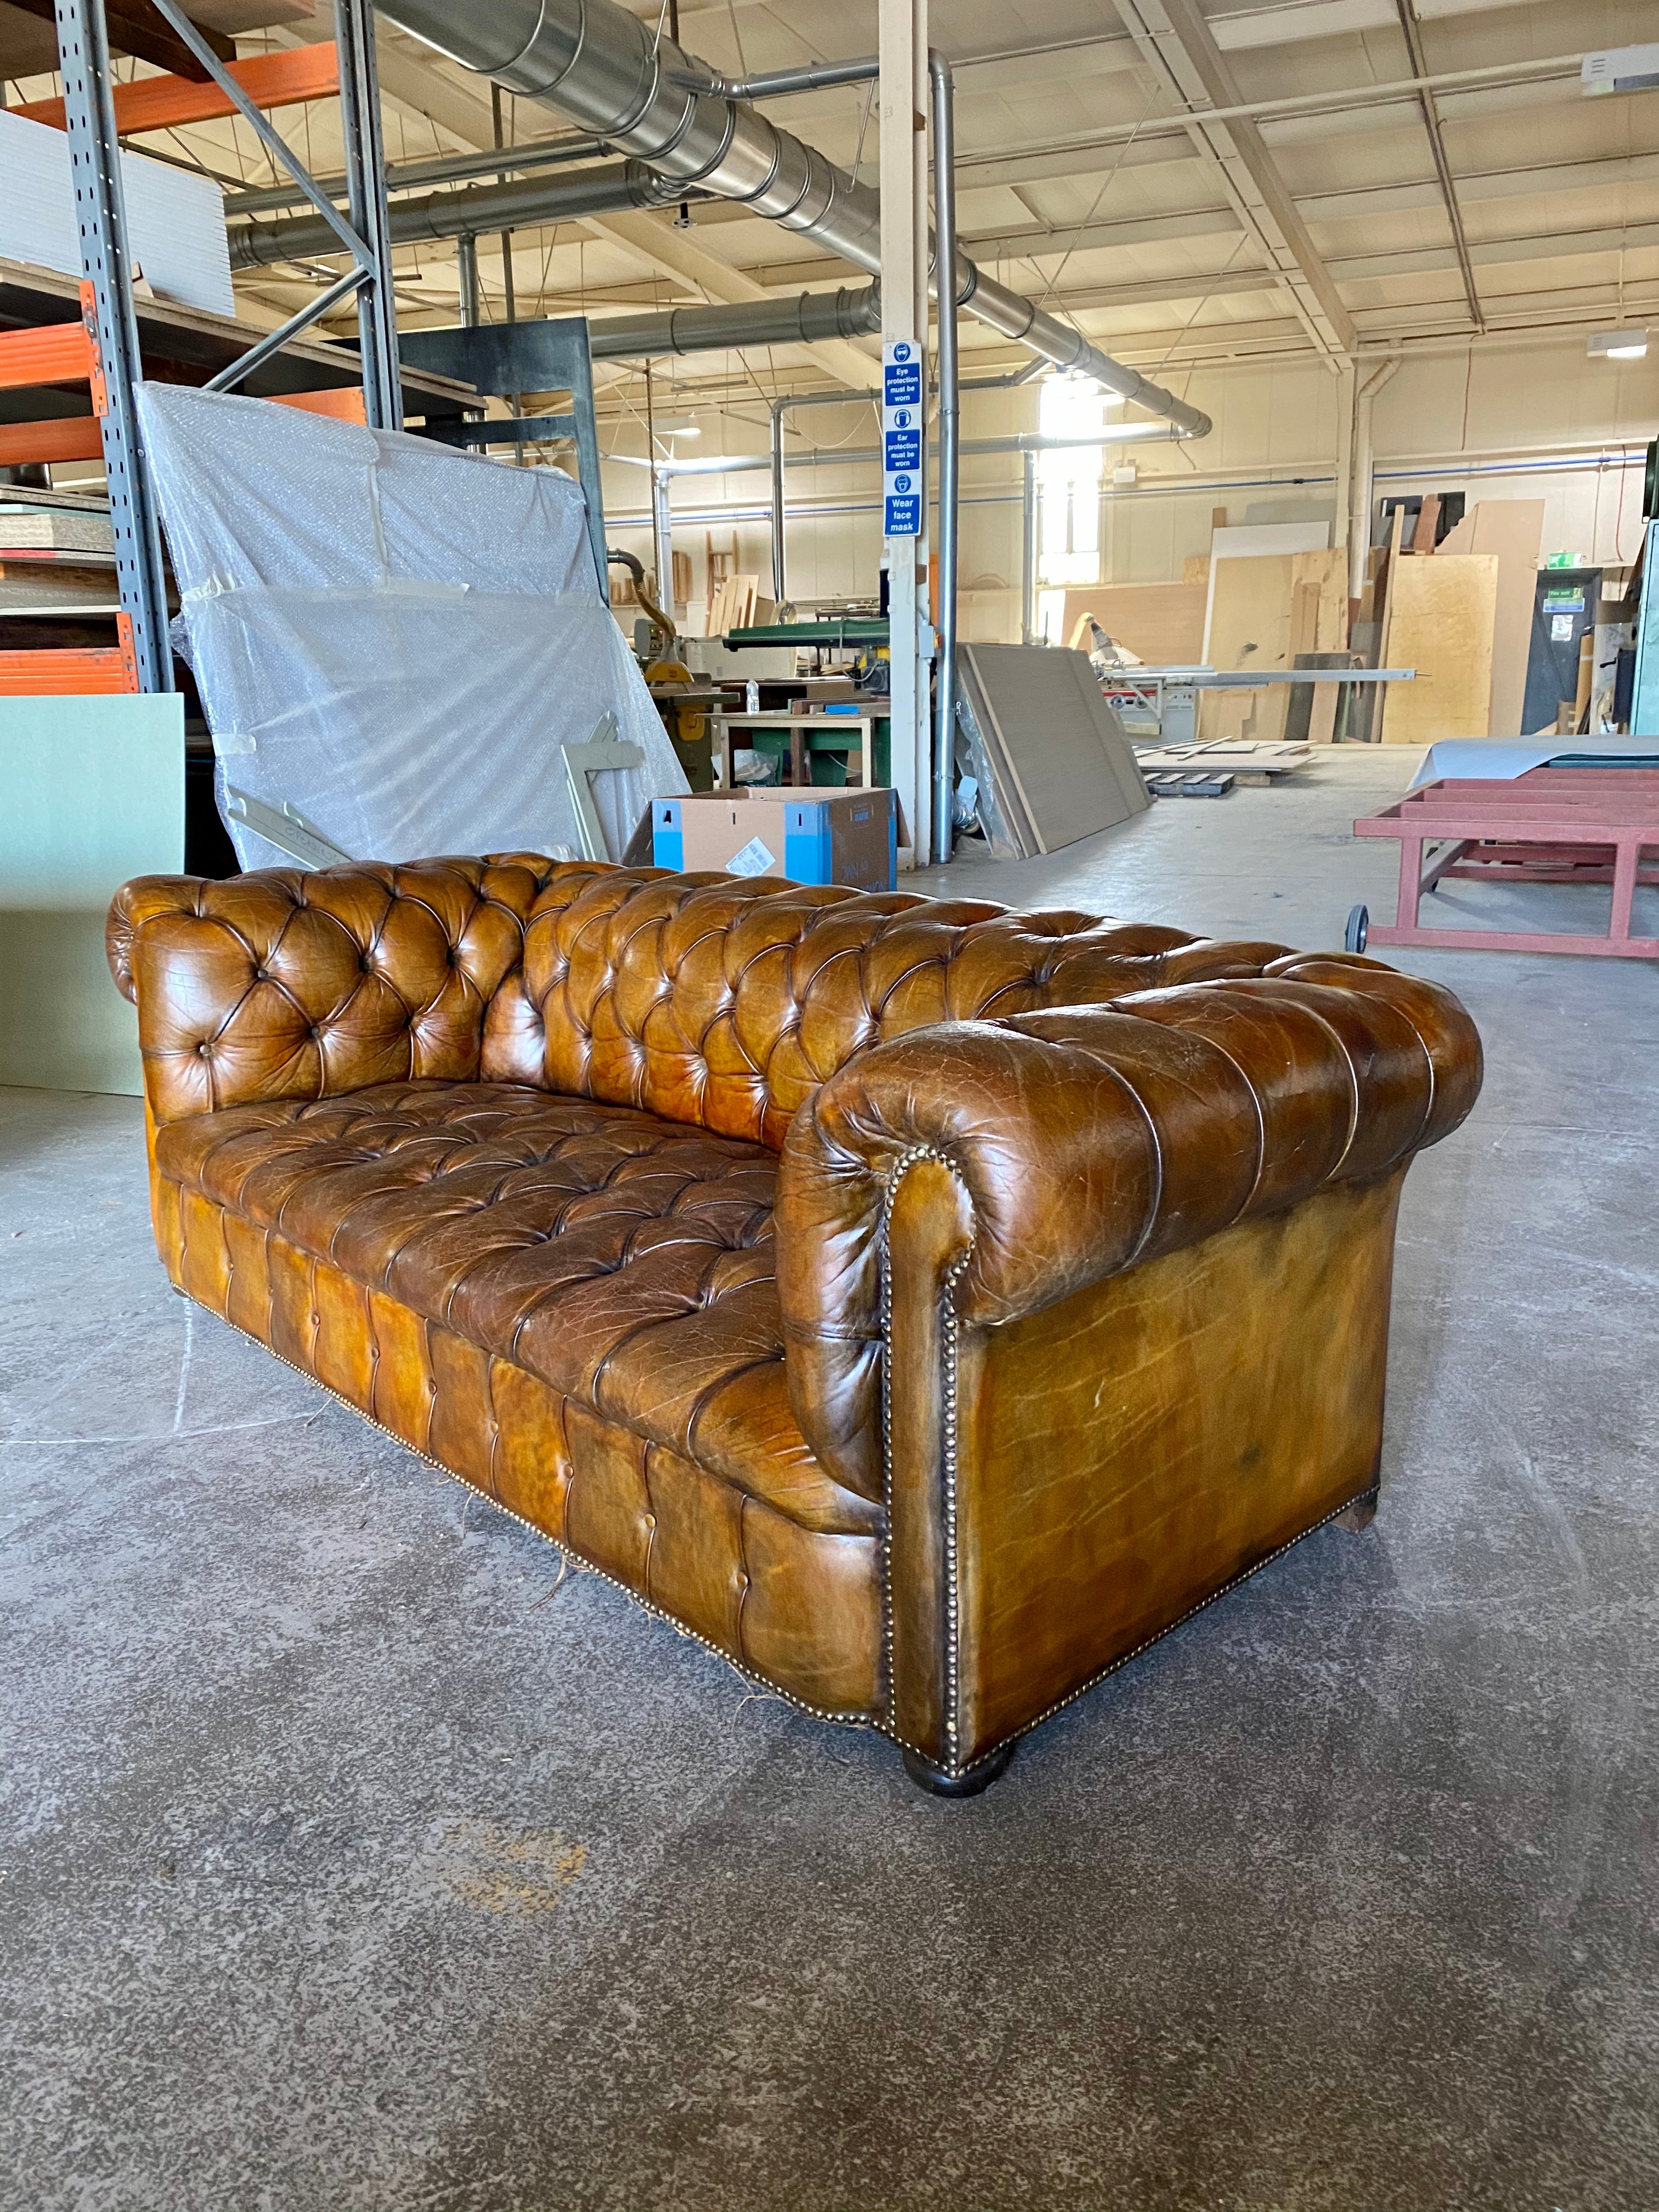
<point x="1068" y="482"/>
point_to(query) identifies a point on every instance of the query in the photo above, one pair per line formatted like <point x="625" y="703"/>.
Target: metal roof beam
<point x="1412" y="31"/>
<point x="1176" y="43"/>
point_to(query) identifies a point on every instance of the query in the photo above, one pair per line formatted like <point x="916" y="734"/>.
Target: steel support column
<point x="900" y="99"/>
<point x="1028" y="549"/>
<point x="950" y="442"/>
<point x="107" y="303"/>
<point x="365" y="207"/>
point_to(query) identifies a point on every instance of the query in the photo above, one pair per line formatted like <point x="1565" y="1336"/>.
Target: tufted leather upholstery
<point x="1093" y="1140"/>
<point x="507" y="1153"/>
<point x="283" y="984"/>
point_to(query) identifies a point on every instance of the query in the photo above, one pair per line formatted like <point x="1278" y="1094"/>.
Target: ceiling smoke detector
<point x="1617" y="345"/>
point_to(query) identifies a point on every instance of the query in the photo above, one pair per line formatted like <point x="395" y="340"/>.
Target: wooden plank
<point x="64" y="438"/>
<point x="1250" y="613"/>
<point x="162" y="103"/>
<point x="136" y="28"/>
<point x="1382" y="592"/>
<point x="1441" y="615"/>
<point x="1162" y="625"/>
<point x="1321" y="713"/>
<point x="1328" y="571"/>
<point x="1305" y="617"/>
<point x="1513" y="529"/>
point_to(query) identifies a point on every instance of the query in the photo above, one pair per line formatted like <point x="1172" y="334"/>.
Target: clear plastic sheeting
<point x="394" y="638"/>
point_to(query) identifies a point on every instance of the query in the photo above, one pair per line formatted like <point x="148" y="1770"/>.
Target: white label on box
<point x="753" y="860"/>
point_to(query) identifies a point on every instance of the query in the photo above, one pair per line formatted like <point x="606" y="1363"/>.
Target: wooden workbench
<point x="807" y="734"/>
<point x="1553" y="826"/>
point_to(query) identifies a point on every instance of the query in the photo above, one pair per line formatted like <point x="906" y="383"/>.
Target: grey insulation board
<point x="1064" y="767"/>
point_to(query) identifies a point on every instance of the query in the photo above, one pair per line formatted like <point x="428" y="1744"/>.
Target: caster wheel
<point x="938" y="1784"/>
<point x="1358" y="929"/>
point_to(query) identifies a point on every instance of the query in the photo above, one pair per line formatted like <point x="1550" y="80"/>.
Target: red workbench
<point x="1553" y="826"/>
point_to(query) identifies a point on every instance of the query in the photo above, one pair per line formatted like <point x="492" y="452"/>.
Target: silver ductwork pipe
<point x="603" y="189"/>
<point x="804" y="321"/>
<point x="640" y="91"/>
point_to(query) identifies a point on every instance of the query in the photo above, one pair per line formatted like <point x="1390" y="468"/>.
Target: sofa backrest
<point x="286" y="984"/>
<point x="707" y="999"/>
<point x="725" y="1003"/>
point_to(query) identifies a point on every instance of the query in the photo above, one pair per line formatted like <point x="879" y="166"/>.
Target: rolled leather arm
<point x="1089" y="1138"/>
<point x="285" y="983"/>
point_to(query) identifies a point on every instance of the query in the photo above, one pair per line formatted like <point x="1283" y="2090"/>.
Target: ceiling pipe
<point x="442" y="169"/>
<point x="773" y="84"/>
<point x="803" y="321"/>
<point x="522" y="206"/>
<point x="1020" y="441"/>
<point x="607" y="71"/>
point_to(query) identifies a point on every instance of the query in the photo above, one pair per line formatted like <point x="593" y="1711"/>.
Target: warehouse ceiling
<point x="1386" y="173"/>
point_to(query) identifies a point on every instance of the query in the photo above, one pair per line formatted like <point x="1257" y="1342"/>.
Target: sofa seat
<point x="626" y="1262"/>
<point x="571" y="1305"/>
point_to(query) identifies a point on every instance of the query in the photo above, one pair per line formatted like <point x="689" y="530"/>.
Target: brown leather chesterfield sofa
<point x="925" y="1305"/>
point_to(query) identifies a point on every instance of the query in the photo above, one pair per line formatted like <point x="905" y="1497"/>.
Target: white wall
<point x="1503" y="410"/>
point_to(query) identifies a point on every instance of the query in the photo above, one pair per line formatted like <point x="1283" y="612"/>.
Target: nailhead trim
<point x="1203" y="1605"/>
<point x="901" y="1166"/>
<point x="885" y="1728"/>
<point x="572" y="1559"/>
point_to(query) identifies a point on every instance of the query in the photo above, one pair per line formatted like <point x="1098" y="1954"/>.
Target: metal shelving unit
<point x="98" y="333"/>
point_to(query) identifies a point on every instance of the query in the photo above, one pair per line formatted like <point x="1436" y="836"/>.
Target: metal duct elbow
<point x="610" y="70"/>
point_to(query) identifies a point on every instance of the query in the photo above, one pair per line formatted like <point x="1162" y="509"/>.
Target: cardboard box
<point x="834" y="837"/>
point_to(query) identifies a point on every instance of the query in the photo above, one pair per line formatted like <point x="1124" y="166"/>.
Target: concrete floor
<point x="350" y="1863"/>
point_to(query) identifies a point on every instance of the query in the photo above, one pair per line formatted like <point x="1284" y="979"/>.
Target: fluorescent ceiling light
<point x="1622" y="69"/>
<point x="679" y="430"/>
<point x="1617" y="345"/>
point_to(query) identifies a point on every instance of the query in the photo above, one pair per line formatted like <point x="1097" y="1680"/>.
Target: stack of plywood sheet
<point x="1439" y="619"/>
<point x="1461" y="615"/>
<point x="1048" y="753"/>
<point x="175" y="222"/>
<point x="1513" y="530"/>
<point x="1270" y="598"/>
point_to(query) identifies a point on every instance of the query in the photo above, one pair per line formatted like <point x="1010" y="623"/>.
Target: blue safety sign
<point x="903" y="481"/>
<point x="900" y="373"/>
